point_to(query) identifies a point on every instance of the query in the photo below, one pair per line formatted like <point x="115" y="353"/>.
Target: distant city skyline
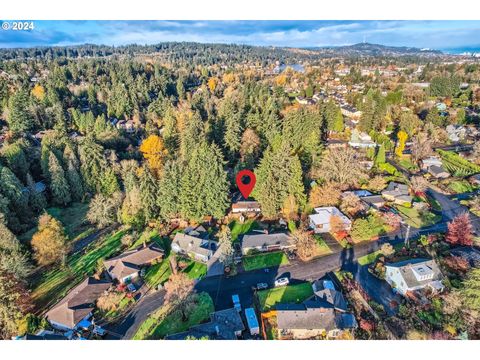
<point x="453" y="36"/>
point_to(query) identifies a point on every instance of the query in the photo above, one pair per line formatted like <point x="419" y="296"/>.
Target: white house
<point x="320" y="221"/>
<point x="414" y="275"/>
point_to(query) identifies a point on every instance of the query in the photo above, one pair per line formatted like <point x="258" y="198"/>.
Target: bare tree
<point x="421" y="146"/>
<point x="341" y="165"/>
<point x="180" y="293"/>
<point x="325" y="195"/>
<point x="418" y="184"/>
<point x="225" y="245"/>
<point x="305" y="243"/>
<point x="351" y="204"/>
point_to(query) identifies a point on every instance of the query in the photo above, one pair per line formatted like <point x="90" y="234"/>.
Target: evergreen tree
<point x="204" y="185"/>
<point x="36" y="200"/>
<point x="380" y="157"/>
<point x="169" y="190"/>
<point x="92" y="163"/>
<point x="279" y="175"/>
<point x="73" y="176"/>
<point x="149" y="194"/>
<point x="58" y="182"/>
<point x="109" y="182"/>
<point x="19" y="118"/>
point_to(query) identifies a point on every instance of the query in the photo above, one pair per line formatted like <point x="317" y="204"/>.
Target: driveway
<point x="377" y="289"/>
<point x="133" y="319"/>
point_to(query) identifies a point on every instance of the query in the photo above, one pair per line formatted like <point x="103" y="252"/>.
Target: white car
<point x="282" y="282"/>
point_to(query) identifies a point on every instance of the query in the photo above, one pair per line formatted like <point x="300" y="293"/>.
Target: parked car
<point x="236" y="302"/>
<point x="131" y="288"/>
<point x="262" y="286"/>
<point x="282" y="282"/>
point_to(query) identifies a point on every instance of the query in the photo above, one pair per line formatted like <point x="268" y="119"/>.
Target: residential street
<point x="140" y="312"/>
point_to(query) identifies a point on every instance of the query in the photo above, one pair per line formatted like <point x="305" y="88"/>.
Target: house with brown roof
<point x="246" y="207"/>
<point x="75" y="309"/>
<point x="126" y="266"/>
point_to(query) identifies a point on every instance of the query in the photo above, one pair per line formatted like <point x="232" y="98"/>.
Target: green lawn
<point x="166" y="322"/>
<point x="195" y="270"/>
<point x="369" y="258"/>
<point x="285" y="294"/>
<point x="239" y="229"/>
<point x="407" y="163"/>
<point x="261" y="261"/>
<point x="460" y="186"/>
<point x="322" y="247"/>
<point x="72" y="218"/>
<point x="122" y="306"/>
<point x="418" y="219"/>
<point x="54" y="284"/>
<point x="160" y="272"/>
<point x="152" y="236"/>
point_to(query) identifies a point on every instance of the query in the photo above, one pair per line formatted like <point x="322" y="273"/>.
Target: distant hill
<point x="367" y="49"/>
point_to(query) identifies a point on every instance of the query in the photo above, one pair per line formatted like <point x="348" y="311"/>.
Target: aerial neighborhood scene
<point x="239" y="190"/>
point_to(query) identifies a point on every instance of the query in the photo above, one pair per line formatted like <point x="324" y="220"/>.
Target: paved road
<point x="133" y="319"/>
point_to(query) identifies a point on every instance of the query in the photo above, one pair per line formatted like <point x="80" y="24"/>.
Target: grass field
<point x="166" y="322"/>
<point x="261" y="261"/>
<point x="322" y="247"/>
<point x="369" y="258"/>
<point x="72" y="218"/>
<point x="159" y="273"/>
<point x="238" y="228"/>
<point x="54" y="284"/>
<point x="285" y="294"/>
<point x="418" y="219"/>
<point x="460" y="186"/>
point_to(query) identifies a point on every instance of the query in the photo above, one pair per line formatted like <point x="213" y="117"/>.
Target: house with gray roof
<point x="398" y="194"/>
<point x="223" y="325"/>
<point x="75" y="309"/>
<point x="194" y="247"/>
<point x="324" y="292"/>
<point x="266" y="242"/>
<point x="414" y="275"/>
<point x="311" y="320"/>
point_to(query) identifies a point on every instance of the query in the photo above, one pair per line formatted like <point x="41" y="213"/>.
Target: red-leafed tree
<point x="460" y="231"/>
<point x="367" y="325"/>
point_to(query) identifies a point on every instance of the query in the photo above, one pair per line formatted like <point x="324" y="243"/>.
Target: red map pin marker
<point x="245" y="189"/>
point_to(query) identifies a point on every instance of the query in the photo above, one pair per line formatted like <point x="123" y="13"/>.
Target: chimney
<point x="217" y="329"/>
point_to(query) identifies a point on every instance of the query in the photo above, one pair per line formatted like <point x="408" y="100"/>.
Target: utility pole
<point x="407" y="235"/>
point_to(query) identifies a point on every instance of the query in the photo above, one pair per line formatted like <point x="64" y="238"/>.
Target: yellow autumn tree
<point x="402" y="139"/>
<point x="154" y="152"/>
<point x="212" y="84"/>
<point x="49" y="243"/>
<point x="228" y="78"/>
<point x="38" y="92"/>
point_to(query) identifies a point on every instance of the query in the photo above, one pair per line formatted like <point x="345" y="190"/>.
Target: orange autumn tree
<point x="154" y="152"/>
<point x="38" y="92"/>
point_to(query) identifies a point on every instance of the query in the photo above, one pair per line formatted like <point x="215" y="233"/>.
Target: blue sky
<point x="433" y="34"/>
